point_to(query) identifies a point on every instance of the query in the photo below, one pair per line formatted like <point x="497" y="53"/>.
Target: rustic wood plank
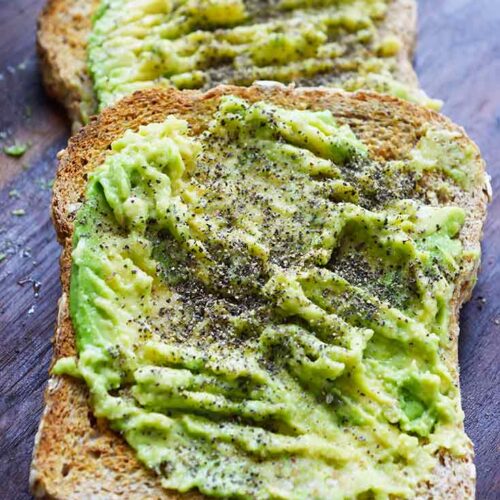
<point x="29" y="289"/>
<point x="27" y="313"/>
<point x="458" y="60"/>
<point x="26" y="115"/>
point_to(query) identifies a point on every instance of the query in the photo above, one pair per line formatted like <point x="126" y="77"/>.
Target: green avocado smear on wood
<point x="137" y="44"/>
<point x="263" y="311"/>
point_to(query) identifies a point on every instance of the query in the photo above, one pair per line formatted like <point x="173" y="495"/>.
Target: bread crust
<point x="64" y="25"/>
<point x="77" y="456"/>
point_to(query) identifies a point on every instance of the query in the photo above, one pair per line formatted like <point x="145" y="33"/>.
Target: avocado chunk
<point x="199" y="44"/>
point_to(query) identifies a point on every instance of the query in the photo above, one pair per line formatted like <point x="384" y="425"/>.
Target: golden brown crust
<point x="64" y="25"/>
<point x="76" y="457"/>
<point x="402" y="22"/>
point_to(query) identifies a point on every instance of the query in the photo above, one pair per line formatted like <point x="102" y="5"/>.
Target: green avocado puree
<point x="263" y="310"/>
<point x="137" y="44"/>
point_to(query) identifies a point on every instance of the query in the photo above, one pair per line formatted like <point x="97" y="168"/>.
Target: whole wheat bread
<point x="77" y="456"/>
<point x="64" y="25"/>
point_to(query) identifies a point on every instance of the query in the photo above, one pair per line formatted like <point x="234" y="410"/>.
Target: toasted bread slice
<point x="64" y="26"/>
<point x="77" y="456"/>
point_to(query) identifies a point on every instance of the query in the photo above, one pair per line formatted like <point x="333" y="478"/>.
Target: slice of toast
<point x="64" y="26"/>
<point x="77" y="456"/>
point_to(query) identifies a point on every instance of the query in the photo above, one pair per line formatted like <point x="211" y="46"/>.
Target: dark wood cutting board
<point x="458" y="60"/>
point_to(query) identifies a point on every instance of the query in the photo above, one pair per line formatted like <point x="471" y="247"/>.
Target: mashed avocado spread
<point x="137" y="44"/>
<point x="262" y="311"/>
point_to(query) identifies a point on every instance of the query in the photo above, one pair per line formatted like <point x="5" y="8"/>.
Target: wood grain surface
<point x="458" y="60"/>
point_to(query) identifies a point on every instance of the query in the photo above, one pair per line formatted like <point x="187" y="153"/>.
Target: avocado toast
<point x="359" y="280"/>
<point x="130" y="45"/>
